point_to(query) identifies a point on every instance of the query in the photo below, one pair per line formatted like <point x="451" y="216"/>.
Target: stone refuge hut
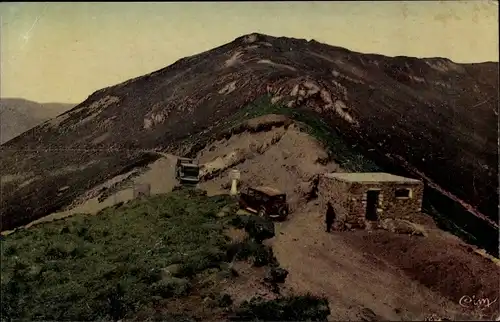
<point x="358" y="198"/>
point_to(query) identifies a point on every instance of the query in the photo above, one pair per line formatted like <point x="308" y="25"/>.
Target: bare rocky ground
<point x="370" y="275"/>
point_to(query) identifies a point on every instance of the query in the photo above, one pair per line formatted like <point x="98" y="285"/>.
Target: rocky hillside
<point x="19" y="115"/>
<point x="430" y="118"/>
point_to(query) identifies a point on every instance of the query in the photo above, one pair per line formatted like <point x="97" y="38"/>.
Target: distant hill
<point x="429" y="118"/>
<point x="18" y="115"/>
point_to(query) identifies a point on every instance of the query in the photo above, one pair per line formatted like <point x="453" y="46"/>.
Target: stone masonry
<point x="347" y="193"/>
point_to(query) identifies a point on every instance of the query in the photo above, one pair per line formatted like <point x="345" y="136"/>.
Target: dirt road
<point x="353" y="281"/>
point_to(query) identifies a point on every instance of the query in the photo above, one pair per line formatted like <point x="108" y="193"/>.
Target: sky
<point x="63" y="52"/>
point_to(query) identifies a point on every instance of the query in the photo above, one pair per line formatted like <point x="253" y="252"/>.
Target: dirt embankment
<point x="270" y="151"/>
<point x="442" y="262"/>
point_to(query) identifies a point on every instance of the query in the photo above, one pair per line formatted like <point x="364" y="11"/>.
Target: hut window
<point x="403" y="193"/>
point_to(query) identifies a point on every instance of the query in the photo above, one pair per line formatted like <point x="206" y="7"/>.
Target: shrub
<point x="294" y="308"/>
<point x="171" y="286"/>
<point x="258" y="228"/>
<point x="261" y="255"/>
<point x="225" y="300"/>
<point x="276" y="275"/>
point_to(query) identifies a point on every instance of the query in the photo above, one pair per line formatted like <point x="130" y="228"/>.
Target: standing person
<point x="330" y="217"/>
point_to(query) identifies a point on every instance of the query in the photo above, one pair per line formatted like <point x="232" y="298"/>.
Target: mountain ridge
<point x="396" y="106"/>
<point x="18" y="115"/>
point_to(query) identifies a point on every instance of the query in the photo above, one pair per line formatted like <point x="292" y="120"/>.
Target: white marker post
<point x="234" y="176"/>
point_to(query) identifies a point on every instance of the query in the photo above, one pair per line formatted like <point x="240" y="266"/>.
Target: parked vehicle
<point x="265" y="201"/>
<point x="187" y="171"/>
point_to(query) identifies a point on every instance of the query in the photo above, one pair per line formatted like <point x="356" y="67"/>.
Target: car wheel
<point x="282" y="213"/>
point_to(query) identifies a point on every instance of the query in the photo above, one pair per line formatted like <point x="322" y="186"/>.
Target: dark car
<point x="265" y="201"/>
<point x="187" y="171"/>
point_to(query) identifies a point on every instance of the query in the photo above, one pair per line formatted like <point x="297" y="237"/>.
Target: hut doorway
<point x="372" y="200"/>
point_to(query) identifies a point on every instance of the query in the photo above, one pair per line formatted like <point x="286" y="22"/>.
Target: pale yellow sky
<point x="62" y="52"/>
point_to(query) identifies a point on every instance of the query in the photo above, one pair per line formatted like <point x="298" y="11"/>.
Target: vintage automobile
<point x="265" y="201"/>
<point x="187" y="171"/>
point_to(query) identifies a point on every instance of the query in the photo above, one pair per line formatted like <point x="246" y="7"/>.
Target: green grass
<point x="292" y="308"/>
<point x="110" y="266"/>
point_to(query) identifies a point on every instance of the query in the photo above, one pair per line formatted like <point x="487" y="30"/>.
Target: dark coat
<point x="330" y="214"/>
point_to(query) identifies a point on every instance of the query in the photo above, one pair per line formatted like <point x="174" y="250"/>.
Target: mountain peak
<point x="252" y="37"/>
